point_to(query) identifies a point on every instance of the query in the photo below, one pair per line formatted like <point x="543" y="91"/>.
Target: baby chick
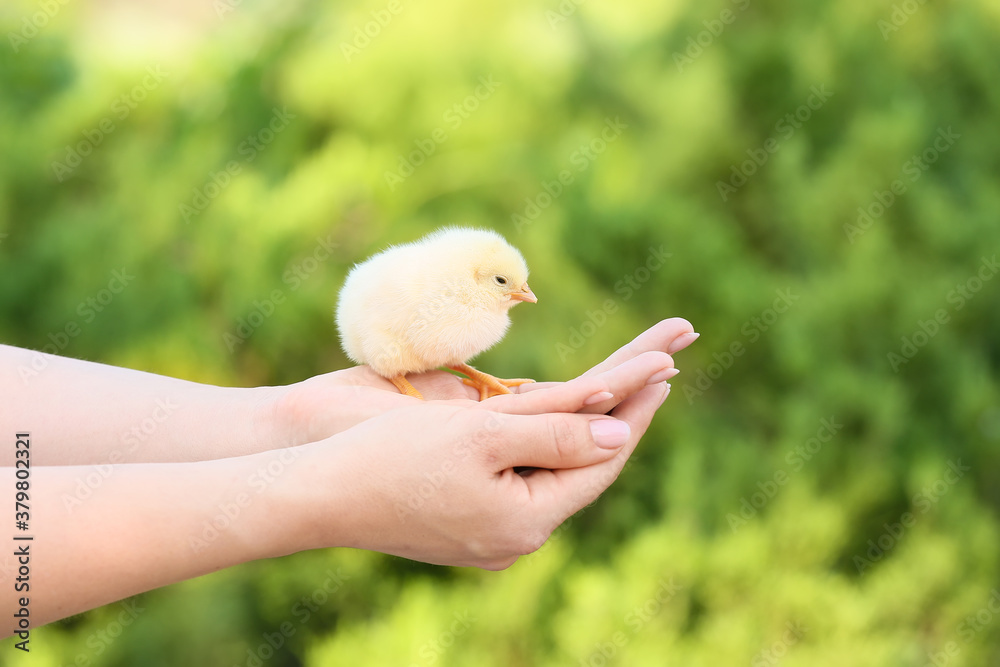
<point x="438" y="301"/>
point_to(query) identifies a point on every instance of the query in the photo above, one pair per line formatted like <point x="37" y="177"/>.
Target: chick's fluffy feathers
<point x="434" y="302"/>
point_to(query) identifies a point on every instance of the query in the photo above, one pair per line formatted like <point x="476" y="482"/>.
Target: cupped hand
<point x="327" y="404"/>
<point x="436" y="481"/>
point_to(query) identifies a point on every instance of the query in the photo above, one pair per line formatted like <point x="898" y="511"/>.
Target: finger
<point x="554" y="440"/>
<point x="670" y="335"/>
<point x="595" y="395"/>
<point x="529" y="387"/>
<point x="563" y="492"/>
<point x="660" y="336"/>
<point x="631" y="377"/>
<point x="554" y="397"/>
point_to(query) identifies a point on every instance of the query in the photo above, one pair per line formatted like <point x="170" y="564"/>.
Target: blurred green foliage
<point x="232" y="154"/>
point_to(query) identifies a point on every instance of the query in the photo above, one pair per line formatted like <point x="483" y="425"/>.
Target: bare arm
<point x="149" y="525"/>
<point x="87" y="413"/>
<point x="81" y="412"/>
<point x="102" y="532"/>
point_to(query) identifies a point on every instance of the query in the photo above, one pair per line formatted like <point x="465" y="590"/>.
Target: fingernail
<point x="663" y="375"/>
<point x="681" y="342"/>
<point x="610" y="433"/>
<point x="665" y="394"/>
<point x="599" y="397"/>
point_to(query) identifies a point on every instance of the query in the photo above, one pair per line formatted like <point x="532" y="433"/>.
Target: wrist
<point x="271" y="503"/>
<point x="308" y="496"/>
<point x="269" y="418"/>
<point x="304" y="412"/>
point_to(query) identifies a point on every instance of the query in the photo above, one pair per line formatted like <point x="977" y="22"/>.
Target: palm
<point x="434" y="385"/>
<point x="334" y="402"/>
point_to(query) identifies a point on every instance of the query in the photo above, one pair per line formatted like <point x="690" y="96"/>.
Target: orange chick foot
<point x="487" y="385"/>
<point x="405" y="387"/>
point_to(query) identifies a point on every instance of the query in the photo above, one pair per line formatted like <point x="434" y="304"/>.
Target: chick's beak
<point x="525" y="294"/>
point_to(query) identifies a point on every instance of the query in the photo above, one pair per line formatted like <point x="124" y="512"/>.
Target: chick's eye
<point x="500" y="280"/>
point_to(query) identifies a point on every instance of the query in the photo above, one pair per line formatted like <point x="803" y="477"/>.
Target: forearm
<point x="148" y="525"/>
<point x="81" y="412"/>
<point x="433" y="481"/>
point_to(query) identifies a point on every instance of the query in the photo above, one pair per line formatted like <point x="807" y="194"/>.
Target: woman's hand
<point x="324" y="405"/>
<point x="436" y="481"/>
<point x="65" y="400"/>
<point x="214" y="481"/>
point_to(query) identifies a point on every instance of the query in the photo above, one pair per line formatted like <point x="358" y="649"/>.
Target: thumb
<point x="558" y="440"/>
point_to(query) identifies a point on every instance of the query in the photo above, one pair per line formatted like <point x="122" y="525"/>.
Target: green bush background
<point x="658" y="571"/>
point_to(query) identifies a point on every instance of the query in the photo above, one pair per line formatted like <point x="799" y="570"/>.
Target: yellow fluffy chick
<point x="438" y="301"/>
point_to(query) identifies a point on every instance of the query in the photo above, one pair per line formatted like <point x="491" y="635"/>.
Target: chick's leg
<point x="487" y="385"/>
<point x="405" y="387"/>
